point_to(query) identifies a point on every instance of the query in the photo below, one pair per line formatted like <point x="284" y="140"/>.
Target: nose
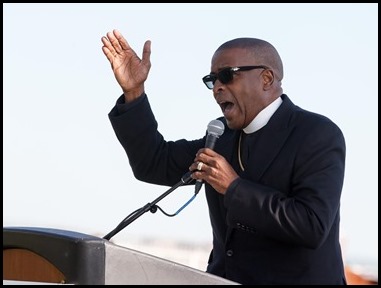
<point x="217" y="91"/>
<point x="217" y="87"/>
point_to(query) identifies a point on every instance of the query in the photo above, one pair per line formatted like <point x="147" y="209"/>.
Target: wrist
<point x="133" y="94"/>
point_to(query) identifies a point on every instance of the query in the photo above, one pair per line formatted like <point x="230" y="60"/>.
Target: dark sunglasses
<point x="226" y="75"/>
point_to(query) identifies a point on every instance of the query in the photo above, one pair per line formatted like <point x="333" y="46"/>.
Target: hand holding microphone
<point x="215" y="130"/>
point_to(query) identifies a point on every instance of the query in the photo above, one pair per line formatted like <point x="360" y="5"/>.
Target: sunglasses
<point x="226" y="75"/>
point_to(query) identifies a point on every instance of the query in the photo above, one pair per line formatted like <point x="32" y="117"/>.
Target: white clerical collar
<point x="263" y="117"/>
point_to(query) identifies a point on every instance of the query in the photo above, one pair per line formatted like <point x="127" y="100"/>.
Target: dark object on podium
<point x="52" y="255"/>
<point x="60" y="256"/>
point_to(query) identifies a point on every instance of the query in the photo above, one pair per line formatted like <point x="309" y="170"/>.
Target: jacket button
<point x="229" y="253"/>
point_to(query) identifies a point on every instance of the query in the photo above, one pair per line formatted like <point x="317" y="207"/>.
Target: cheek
<point x="242" y="104"/>
<point x="243" y="107"/>
<point x="243" y="99"/>
<point x="247" y="104"/>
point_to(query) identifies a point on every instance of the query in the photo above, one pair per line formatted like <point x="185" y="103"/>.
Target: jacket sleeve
<point x="152" y="158"/>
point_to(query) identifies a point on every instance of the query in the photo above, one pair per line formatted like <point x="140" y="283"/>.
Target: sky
<point x="63" y="166"/>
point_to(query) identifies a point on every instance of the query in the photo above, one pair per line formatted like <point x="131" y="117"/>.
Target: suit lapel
<point x="270" y="142"/>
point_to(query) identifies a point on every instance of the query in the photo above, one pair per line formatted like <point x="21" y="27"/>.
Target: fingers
<point x="217" y="173"/>
<point x="120" y="42"/>
<point x="107" y="49"/>
<point x="146" y="53"/>
<point x="197" y="166"/>
<point x="114" y="43"/>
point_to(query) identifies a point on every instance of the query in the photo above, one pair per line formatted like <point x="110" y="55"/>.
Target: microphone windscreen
<point x="216" y="127"/>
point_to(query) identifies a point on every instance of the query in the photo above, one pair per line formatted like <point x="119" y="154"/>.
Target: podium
<point x="65" y="257"/>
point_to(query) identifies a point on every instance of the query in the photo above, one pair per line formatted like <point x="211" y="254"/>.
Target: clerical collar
<point x="263" y="117"/>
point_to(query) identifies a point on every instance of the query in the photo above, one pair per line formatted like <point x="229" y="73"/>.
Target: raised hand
<point x="130" y="71"/>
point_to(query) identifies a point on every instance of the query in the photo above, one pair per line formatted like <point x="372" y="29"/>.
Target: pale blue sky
<point x="63" y="166"/>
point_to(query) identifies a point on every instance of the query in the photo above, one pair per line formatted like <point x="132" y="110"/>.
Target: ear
<point x="268" y="79"/>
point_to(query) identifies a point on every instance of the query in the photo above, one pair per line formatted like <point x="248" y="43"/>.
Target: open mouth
<point x="226" y="106"/>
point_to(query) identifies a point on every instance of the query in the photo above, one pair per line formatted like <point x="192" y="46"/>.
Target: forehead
<point x="231" y="57"/>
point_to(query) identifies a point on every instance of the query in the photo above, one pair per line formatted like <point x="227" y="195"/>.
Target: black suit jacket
<point x="279" y="222"/>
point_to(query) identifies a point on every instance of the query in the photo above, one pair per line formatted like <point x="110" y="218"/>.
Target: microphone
<point x="215" y="130"/>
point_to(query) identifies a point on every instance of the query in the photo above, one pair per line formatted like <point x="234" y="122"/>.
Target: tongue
<point x="228" y="109"/>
